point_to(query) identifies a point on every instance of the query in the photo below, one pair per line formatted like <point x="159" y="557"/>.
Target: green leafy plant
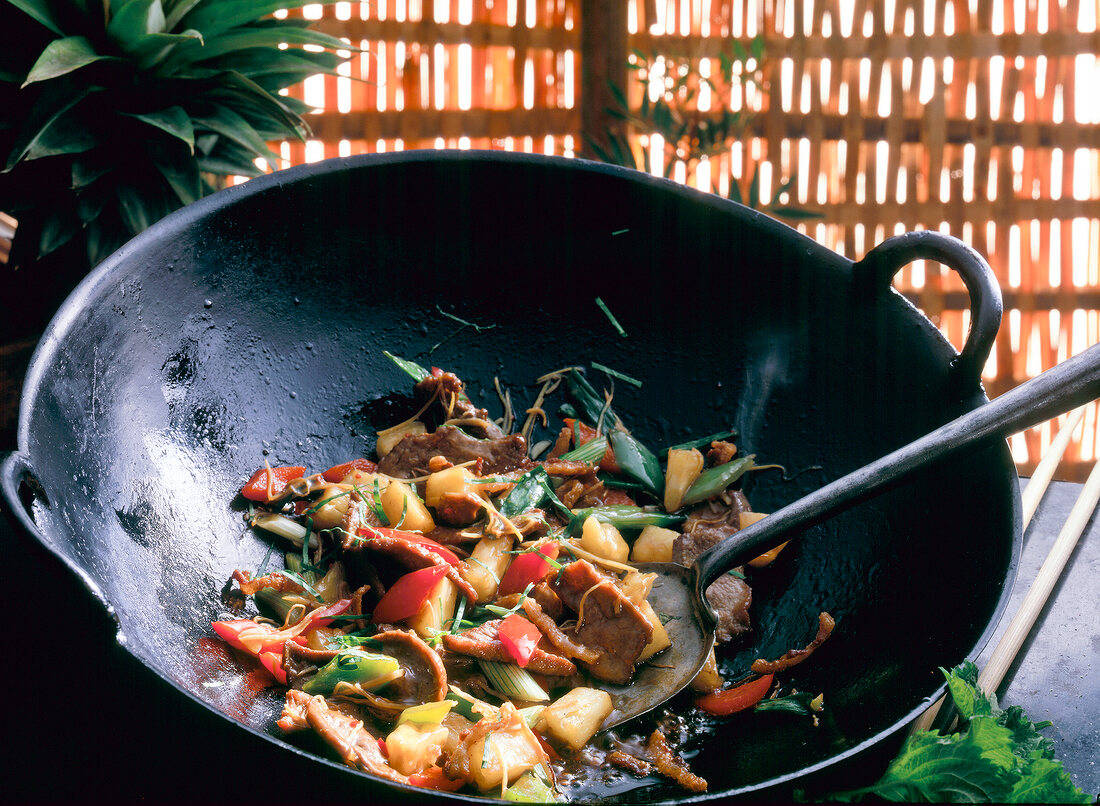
<point x="995" y="756"/>
<point x="113" y="113"/>
<point x="670" y="90"/>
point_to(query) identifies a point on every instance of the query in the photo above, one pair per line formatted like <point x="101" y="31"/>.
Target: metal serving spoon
<point x="680" y="591"/>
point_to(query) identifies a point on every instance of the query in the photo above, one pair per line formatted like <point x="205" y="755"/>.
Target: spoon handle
<point x="1070" y="384"/>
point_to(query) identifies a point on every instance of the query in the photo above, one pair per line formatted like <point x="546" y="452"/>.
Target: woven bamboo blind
<point x="978" y="118"/>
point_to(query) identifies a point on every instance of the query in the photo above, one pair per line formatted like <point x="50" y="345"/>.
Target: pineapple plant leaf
<point x="113" y="113"/>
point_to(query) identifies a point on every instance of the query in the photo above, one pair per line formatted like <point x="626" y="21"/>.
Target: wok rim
<point x="67" y="314"/>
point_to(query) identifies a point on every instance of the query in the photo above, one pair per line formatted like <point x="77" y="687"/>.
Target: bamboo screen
<point x="978" y="118"/>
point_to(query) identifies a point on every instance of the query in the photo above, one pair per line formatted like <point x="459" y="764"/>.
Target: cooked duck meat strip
<point x="720" y="453"/>
<point x="425" y="678"/>
<point x="708" y="525"/>
<point x="793" y="657"/>
<point x="459" y="508"/>
<point x="300" y="662"/>
<point x="607" y="620"/>
<point x="409" y="458"/>
<point x="345" y="732"/>
<point x="567" y="467"/>
<point x="454" y="402"/>
<point x="548" y="601"/>
<point x="671" y="765"/>
<point x="638" y="766"/>
<point x="278" y="582"/>
<point x="557" y="637"/>
<point x="484" y="642"/>
<point x="406" y="552"/>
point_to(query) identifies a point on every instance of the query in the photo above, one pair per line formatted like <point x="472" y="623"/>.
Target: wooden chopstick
<point x="1044" y="471"/>
<point x="1033" y="492"/>
<point x="1036" y="598"/>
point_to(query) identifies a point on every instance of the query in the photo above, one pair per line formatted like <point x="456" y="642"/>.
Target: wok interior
<point x="252" y="325"/>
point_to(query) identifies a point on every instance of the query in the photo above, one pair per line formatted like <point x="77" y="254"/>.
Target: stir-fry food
<point x="450" y="609"/>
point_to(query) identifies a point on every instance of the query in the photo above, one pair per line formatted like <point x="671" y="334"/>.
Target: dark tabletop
<point x="86" y="717"/>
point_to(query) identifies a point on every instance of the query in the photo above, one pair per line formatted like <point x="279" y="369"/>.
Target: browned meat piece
<point x="607" y="620"/>
<point x="706" y="526"/>
<point x="484" y="642"/>
<point x="409" y="457"/>
<point x="278" y="582"/>
<point x="793" y="657"/>
<point x="671" y="765"/>
<point x="567" y="467"/>
<point x="300" y="662"/>
<point x="425" y="678"/>
<point x="548" y="601"/>
<point x="459" y="509"/>
<point x="455" y="403"/>
<point x="638" y="766"/>
<point x="721" y="453"/>
<point x="558" y="638"/>
<point x="343" y="731"/>
<point x="408" y="553"/>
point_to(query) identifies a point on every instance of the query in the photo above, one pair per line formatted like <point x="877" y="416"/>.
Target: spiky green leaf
<point x="63" y="56"/>
<point x="53" y="121"/>
<point x="44" y="13"/>
<point x="174" y="120"/>
<point x="133" y="19"/>
<point x="232" y="126"/>
<point x="217" y="18"/>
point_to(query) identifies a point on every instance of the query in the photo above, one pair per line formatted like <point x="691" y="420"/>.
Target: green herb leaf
<point x="63" y="56"/>
<point x="410" y="368"/>
<point x="996" y="756"/>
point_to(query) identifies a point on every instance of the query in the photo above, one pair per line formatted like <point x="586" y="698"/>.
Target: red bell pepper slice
<point x="274" y="663"/>
<point x="520" y="638"/>
<point x="324" y="616"/>
<point x="270" y="480"/>
<point x="337" y="473"/>
<point x="407" y="595"/>
<point x="436" y="548"/>
<point x="732" y="700"/>
<point x="526" y="569"/>
<point x="435" y="778"/>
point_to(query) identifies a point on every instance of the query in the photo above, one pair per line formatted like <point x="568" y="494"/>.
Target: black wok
<point x="251" y="325"/>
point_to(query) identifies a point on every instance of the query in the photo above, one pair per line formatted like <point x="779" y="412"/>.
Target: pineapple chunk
<point x="332" y="511"/>
<point x="654" y="545"/>
<point x="391" y="436"/>
<point x="749" y="518"/>
<point x="400" y="498"/>
<point x="413" y="748"/>
<point x="437" y="610"/>
<point x="487" y="564"/>
<point x="575" y="717"/>
<point x="684" y="467"/>
<point x="510" y="745"/>
<point x="636" y="586"/>
<point x="603" y="540"/>
<point x="451" y="480"/>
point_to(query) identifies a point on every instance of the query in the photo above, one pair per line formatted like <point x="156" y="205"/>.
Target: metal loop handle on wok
<point x="986" y="307"/>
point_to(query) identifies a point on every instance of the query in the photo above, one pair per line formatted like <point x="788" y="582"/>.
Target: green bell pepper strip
<point x="350" y="666"/>
<point x="622" y="517"/>
<point x="714" y="480"/>
<point x="638" y="462"/>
